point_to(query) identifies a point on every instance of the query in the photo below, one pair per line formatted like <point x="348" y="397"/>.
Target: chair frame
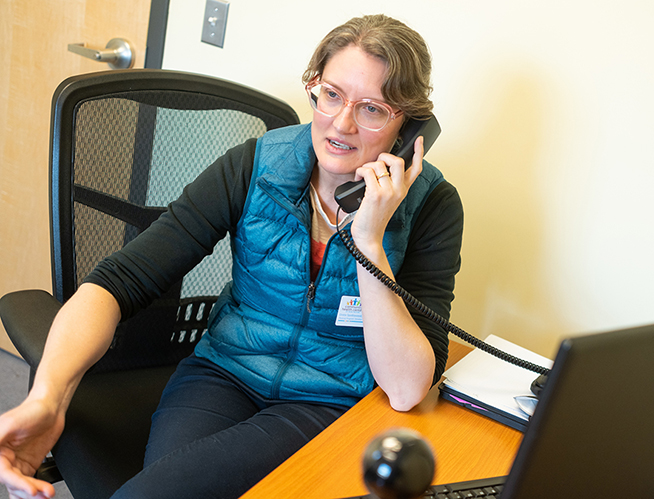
<point x="27" y="315"/>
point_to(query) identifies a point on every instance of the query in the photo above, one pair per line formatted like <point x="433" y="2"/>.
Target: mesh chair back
<point x="124" y="145"/>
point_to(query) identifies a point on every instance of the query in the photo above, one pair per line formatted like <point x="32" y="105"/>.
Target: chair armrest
<point x="27" y="317"/>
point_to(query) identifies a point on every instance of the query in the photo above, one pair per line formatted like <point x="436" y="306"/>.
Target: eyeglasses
<point x="368" y="114"/>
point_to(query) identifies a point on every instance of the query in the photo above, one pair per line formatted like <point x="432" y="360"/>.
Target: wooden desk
<point x="467" y="446"/>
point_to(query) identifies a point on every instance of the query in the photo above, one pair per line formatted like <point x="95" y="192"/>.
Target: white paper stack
<point x="488" y="385"/>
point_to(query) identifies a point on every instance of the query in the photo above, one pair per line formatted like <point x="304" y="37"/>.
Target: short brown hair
<point x="408" y="81"/>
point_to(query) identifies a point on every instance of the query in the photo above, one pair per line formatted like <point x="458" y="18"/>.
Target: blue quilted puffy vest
<point x="272" y="327"/>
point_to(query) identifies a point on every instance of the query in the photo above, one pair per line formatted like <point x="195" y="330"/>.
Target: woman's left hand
<point x="399" y="354"/>
<point x="387" y="184"/>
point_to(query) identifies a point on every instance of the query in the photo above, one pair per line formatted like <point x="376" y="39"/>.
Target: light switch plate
<point x="215" y="22"/>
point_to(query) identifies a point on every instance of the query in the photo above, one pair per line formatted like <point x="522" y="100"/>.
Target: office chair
<point x="123" y="144"/>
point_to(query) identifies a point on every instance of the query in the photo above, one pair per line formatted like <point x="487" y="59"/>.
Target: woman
<point x="277" y="366"/>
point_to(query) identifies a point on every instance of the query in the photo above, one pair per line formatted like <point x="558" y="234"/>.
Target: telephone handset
<point x="350" y="194"/>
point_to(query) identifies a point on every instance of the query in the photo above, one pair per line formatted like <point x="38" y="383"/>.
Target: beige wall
<point x="547" y="112"/>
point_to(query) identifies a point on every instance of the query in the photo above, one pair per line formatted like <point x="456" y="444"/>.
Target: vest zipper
<point x="311" y="294"/>
<point x="292" y="344"/>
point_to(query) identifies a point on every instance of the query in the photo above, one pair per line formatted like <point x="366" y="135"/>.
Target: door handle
<point x="118" y="53"/>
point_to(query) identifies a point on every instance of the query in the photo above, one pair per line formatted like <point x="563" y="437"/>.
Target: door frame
<point x="156" y="33"/>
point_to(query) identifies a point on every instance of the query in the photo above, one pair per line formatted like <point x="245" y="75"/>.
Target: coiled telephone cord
<point x="429" y="313"/>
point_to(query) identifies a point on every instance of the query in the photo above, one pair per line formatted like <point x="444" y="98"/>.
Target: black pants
<point x="211" y="437"/>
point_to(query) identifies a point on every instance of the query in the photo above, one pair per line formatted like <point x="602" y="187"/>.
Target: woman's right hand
<point x="81" y="333"/>
<point x="27" y="433"/>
